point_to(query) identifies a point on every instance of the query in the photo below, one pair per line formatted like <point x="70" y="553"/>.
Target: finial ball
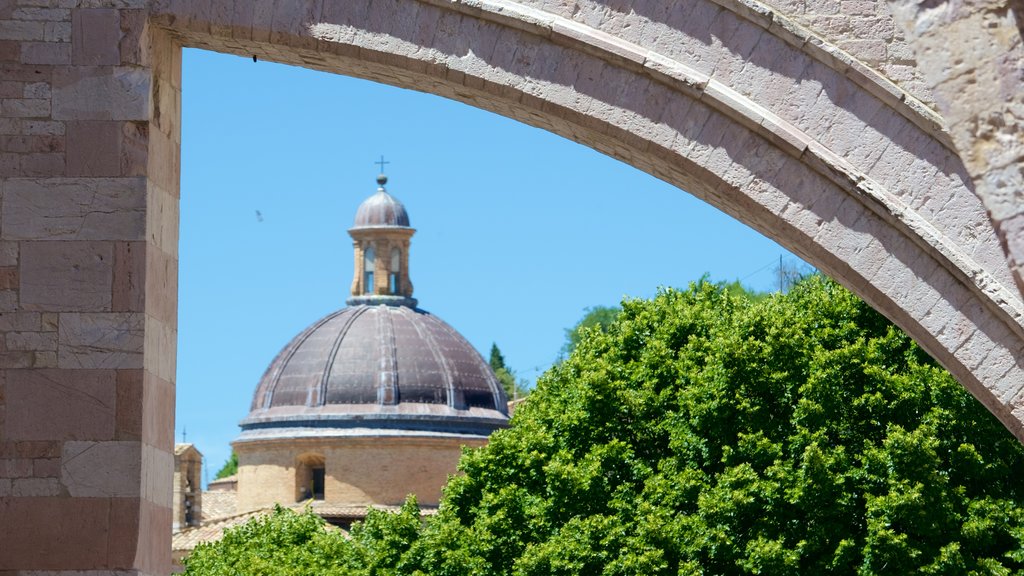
<point x="382" y="179"/>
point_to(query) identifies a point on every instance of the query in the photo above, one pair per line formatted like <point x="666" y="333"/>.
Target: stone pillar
<point x="89" y="134"/>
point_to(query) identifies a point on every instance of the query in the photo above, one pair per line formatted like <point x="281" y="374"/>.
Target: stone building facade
<point x="367" y="405"/>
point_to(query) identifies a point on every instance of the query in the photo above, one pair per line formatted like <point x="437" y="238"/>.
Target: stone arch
<point x="728" y="99"/>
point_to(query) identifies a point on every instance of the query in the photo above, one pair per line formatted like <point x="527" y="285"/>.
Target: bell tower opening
<point x="369" y="263"/>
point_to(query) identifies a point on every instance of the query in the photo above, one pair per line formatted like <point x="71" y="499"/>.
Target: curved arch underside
<point x="727" y="100"/>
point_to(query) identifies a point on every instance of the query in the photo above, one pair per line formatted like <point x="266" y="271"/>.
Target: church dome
<point x="382" y="367"/>
<point x="381" y="209"/>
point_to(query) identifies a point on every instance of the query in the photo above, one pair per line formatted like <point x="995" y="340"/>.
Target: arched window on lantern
<point x="396" y="267"/>
<point x="369" y="263"/>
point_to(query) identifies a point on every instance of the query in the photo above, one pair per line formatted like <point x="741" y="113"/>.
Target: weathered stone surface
<point x="129" y="405"/>
<point x="129" y="277"/>
<point x="100" y="93"/>
<point x="101" y="340"/>
<point x="80" y="405"/>
<point x="93" y="148"/>
<point x="67" y="276"/>
<point x="74" y="209"/>
<point x="31" y="540"/>
<point x="96" y="36"/>
<point x="102" y="469"/>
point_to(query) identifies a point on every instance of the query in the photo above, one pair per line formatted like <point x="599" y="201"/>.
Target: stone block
<point x="44" y="14"/>
<point x="74" y="276"/>
<point x="44" y="359"/>
<point x="100" y="340"/>
<point x="129" y="405"/>
<point x="42" y="127"/>
<point x="46" y="467"/>
<point x="134" y="151"/>
<point x="37" y="90"/>
<point x="42" y="165"/>
<point x="50" y="321"/>
<point x="19" y="467"/>
<point x="161" y="280"/>
<point x="10" y="51"/>
<point x="133" y="22"/>
<point x="102" y="469"/>
<point x="125" y="527"/>
<point x="20" y="321"/>
<point x="74" y="209"/>
<point x="10" y="89"/>
<point x="101" y="93"/>
<point x="129" y="277"/>
<point x="24" y="143"/>
<point x="8" y="278"/>
<point x="32" y="540"/>
<point x="78" y="404"/>
<point x="46" y="53"/>
<point x="31" y="341"/>
<point x="25" y="108"/>
<point x="24" y="30"/>
<point x="96" y="36"/>
<point x="157" y="484"/>
<point x="24" y="487"/>
<point x="158" y="408"/>
<point x="16" y="359"/>
<point x="93" y="148"/>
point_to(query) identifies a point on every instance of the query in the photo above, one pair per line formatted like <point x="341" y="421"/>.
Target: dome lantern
<point x="380" y="239"/>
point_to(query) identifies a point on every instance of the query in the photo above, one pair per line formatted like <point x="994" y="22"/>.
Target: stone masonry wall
<point x="88" y="231"/>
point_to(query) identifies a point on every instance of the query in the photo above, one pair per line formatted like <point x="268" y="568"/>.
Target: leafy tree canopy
<point x="514" y="387"/>
<point x="229" y="468"/>
<point x="598" y="318"/>
<point x="704" y="433"/>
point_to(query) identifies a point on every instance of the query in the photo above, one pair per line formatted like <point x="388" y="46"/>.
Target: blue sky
<point x="518" y="230"/>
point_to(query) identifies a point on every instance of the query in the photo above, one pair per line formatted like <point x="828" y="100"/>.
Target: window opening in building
<point x="369" y="263"/>
<point x="318" y="483"/>
<point x="396" y="262"/>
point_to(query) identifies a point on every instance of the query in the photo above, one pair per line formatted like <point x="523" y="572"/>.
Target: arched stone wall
<point x="973" y="59"/>
<point x="729" y="100"/>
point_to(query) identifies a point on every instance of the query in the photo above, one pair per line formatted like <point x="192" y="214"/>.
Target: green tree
<point x="229" y="468"/>
<point x="514" y="387"/>
<point x="281" y="543"/>
<point x="703" y="433"/>
<point x="594" y="318"/>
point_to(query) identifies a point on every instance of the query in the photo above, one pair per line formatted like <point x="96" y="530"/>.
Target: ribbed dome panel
<point x="388" y="362"/>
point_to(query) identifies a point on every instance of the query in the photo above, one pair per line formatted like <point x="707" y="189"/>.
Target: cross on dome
<point x="381" y="178"/>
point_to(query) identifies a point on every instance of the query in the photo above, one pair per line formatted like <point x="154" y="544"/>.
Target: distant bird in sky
<point x="259" y="216"/>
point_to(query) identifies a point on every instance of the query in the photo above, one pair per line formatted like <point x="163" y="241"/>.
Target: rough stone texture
<point x="84" y="431"/>
<point x="66" y="276"/>
<point x="804" y="120"/>
<point x="111" y="340"/>
<point x="80" y="404"/>
<point x="74" y="209"/>
<point x="359" y="471"/>
<point x="972" y="55"/>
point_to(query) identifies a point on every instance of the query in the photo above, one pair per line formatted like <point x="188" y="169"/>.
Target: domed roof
<point x="381" y="209"/>
<point x="381" y="367"/>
